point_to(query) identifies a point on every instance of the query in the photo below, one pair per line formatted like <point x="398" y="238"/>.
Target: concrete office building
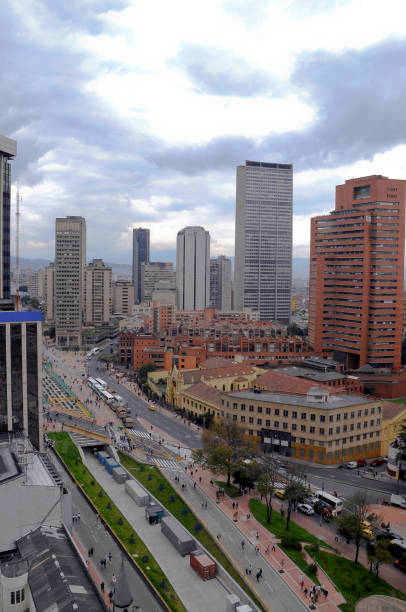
<point x="70" y="260"/>
<point x="8" y="150"/>
<point x="123" y="297"/>
<point x="98" y="293"/>
<point x="140" y="256"/>
<point x="193" y="268"/>
<point x="50" y="293"/>
<point x="20" y="374"/>
<point x="356" y="274"/>
<point x="263" y="240"/>
<point x="220" y="283"/>
<point x="36" y="284"/>
<point x="153" y="275"/>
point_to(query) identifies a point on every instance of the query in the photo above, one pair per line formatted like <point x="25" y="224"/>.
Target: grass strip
<point x="118" y="523"/>
<point x="231" y="490"/>
<point x="156" y="483"/>
<point x="352" y="579"/>
<point x="278" y="528"/>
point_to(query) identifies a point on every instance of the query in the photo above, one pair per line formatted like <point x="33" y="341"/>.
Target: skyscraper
<point x="98" y="293"/>
<point x="220" y="283"/>
<point x="193" y="268"/>
<point x="70" y="259"/>
<point x="356" y="274"/>
<point x="140" y="256"/>
<point x="20" y="374"/>
<point x="154" y="275"/>
<point x="263" y="239"/>
<point x="8" y="150"/>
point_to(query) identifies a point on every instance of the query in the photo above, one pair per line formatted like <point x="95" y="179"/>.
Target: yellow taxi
<point x="151" y="407"/>
<point x="280" y="493"/>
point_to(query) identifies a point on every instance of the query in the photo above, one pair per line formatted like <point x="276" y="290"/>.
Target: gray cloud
<point x="218" y="72"/>
<point x="359" y="97"/>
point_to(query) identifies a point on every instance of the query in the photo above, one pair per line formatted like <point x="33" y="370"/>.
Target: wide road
<point x="171" y="426"/>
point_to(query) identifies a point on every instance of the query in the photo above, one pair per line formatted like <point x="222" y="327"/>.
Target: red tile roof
<point x="277" y="382"/>
<point x="205" y="392"/>
<point x="216" y="362"/>
<point x="194" y="376"/>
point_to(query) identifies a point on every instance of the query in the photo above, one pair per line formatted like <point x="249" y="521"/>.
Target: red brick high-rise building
<point x="357" y="274"/>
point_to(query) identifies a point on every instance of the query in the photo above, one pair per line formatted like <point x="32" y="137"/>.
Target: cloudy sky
<point x="136" y="112"/>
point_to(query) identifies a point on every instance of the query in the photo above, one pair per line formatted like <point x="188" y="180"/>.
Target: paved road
<point x="92" y="534"/>
<point x="172" y="427"/>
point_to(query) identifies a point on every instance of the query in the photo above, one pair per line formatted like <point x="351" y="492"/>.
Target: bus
<point x="335" y="503"/>
<point x="91" y="382"/>
<point x="106" y="396"/>
<point x="101" y="382"/>
<point x="119" y="401"/>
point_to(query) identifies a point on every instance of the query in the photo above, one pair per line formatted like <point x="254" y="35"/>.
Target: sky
<point x="135" y="113"/>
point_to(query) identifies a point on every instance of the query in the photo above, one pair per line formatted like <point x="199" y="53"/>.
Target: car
<point x="376" y="462"/>
<point x="305" y="508"/>
<point x="361" y="463"/>
<point x="400" y="564"/>
<point x="321" y="506"/>
<point x="280" y="493"/>
<point x="351" y="465"/>
<point x="151" y="407"/>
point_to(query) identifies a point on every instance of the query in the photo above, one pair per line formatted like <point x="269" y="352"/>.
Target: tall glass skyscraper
<point x="140" y="256"/>
<point x="263" y="239"/>
<point x="8" y="150"/>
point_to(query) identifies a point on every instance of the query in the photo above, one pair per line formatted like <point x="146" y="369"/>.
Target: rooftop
<point x="334" y="401"/>
<point x="279" y="382"/>
<point x="194" y="376"/>
<point x="205" y="392"/>
<point x="311" y="374"/>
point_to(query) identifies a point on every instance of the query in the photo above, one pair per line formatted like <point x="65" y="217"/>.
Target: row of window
<point x="303" y="415"/>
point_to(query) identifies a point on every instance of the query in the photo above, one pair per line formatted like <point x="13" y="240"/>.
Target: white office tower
<point x="193" y="268"/>
<point x="263" y="239"/>
<point x="220" y="283"/>
<point x="70" y="259"/>
<point x="98" y="293"/>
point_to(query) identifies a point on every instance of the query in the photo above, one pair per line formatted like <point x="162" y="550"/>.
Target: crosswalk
<point x="139" y="434"/>
<point x="167" y="464"/>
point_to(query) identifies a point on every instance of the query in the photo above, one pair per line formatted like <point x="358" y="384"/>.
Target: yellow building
<point x="230" y="377"/>
<point x="316" y="426"/>
<point x="393" y="416"/>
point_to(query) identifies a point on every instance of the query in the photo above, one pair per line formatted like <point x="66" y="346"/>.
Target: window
<point x="352" y="414"/>
<point x="331" y="418"/>
<point x="17" y="597"/>
<point x="366" y="412"/>
<point x="345" y="416"/>
<point x="285" y="425"/>
<point x="250" y="432"/>
<point x="259" y="421"/>
<point x="268" y="410"/>
<point x="276" y="424"/>
<point x="338" y="429"/>
<point x="243" y="419"/>
<point x="303" y="428"/>
<point x="312" y="429"/>
<point x="294" y="414"/>
<point x="303" y="416"/>
<point x="242" y="407"/>
<point x="251" y="420"/>
<point x="338" y="417"/>
<point x="285" y="413"/>
<point x="322" y="418"/>
<point x="259" y="408"/>
<point x="294" y="426"/>
<point x="251" y="408"/>
<point x="235" y="406"/>
<point x="302" y="440"/>
<point x="321" y="430"/>
<point x="276" y="411"/>
<point x="345" y="428"/>
<point x="330" y="431"/>
<point x="312" y="417"/>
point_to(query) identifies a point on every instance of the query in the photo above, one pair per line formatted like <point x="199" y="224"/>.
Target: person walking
<point x="242" y="544"/>
<point x="110" y="556"/>
<point x="102" y="587"/>
<point x="111" y="595"/>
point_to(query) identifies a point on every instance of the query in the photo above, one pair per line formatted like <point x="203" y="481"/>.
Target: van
<point x="352" y="465"/>
<point x="128" y="422"/>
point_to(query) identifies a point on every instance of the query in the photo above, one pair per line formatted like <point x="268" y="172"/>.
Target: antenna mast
<point x="18" y="200"/>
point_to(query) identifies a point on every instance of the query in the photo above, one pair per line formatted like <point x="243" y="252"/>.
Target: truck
<point x="398" y="500"/>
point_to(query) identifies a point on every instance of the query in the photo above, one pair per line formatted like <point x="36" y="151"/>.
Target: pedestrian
<point x="336" y="538"/>
<point x="273" y="547"/>
<point x="111" y="595"/>
<point x="242" y="544"/>
<point x="102" y="563"/>
<point x="305" y="591"/>
<point x="250" y="569"/>
<point x="219" y="536"/>
<point x="256" y="551"/>
<point x="110" y="556"/>
<point x="257" y="535"/>
<point x="102" y="587"/>
<point x="260" y="572"/>
<point x="301" y="581"/>
<point x="267" y="550"/>
<point x="89" y="552"/>
<point x="113" y="579"/>
<point x="236" y="505"/>
<point x="233" y="505"/>
<point x="78" y="516"/>
<point x="257" y="576"/>
<point x="200" y="479"/>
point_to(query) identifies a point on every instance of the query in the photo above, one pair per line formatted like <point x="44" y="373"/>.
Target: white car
<point x="352" y="465"/>
<point x="305" y="508"/>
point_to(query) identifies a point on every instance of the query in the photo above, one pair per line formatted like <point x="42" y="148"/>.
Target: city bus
<point x="106" y="396"/>
<point x="101" y="382"/>
<point x="91" y="382"/>
<point x="335" y="503"/>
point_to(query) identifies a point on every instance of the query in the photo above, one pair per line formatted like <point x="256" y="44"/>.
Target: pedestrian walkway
<point x="168" y="465"/>
<point x="274" y="563"/>
<point x="139" y="434"/>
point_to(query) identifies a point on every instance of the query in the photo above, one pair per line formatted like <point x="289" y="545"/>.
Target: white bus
<point x="101" y="382"/>
<point x="119" y="401"/>
<point x="335" y="503"/>
<point x="91" y="382"/>
<point x="107" y="397"/>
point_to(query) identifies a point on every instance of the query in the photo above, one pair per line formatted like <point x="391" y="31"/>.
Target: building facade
<point x="220" y="283"/>
<point x="140" y="256"/>
<point x="20" y="374"/>
<point x="356" y="274"/>
<point x="263" y="239"/>
<point x="36" y="284"/>
<point x="98" y="293"/>
<point x="193" y="268"/>
<point x="70" y="260"/>
<point x="50" y="293"/>
<point x="8" y="150"/>
<point x="123" y="297"/>
<point x="155" y="275"/>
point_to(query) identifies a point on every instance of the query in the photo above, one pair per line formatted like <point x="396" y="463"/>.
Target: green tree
<point x="357" y="507"/>
<point x="224" y="448"/>
<point x="144" y="371"/>
<point x="382" y="554"/>
<point x="295" y="490"/>
<point x="267" y="483"/>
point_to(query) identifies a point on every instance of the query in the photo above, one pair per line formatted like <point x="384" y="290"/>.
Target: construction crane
<point x="18" y="200"/>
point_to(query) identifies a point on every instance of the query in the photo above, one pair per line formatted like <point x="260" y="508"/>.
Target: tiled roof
<point x="390" y="410"/>
<point x="194" y="376"/>
<point x="205" y="392"/>
<point x="277" y="382"/>
<point x="215" y="362"/>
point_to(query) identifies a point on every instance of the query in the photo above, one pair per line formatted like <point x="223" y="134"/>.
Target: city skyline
<point x="128" y="160"/>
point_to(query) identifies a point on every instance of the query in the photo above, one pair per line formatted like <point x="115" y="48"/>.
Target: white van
<point x="352" y="465"/>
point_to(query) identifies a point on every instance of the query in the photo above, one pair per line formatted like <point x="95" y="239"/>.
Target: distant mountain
<point x="29" y="264"/>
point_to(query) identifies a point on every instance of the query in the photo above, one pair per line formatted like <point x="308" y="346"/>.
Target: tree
<point x="224" y="448"/>
<point x="144" y="370"/>
<point x="267" y="483"/>
<point x="295" y="490"/>
<point x="382" y="554"/>
<point x="358" y="509"/>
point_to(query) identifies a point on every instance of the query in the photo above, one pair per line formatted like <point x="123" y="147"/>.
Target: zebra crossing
<point x="167" y="464"/>
<point x="139" y="434"/>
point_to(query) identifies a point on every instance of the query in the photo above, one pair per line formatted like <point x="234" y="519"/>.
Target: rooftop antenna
<point x="18" y="200"/>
